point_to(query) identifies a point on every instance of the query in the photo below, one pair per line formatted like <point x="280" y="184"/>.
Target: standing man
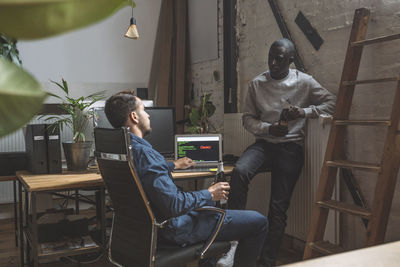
<point x="185" y="225"/>
<point x="279" y="143"/>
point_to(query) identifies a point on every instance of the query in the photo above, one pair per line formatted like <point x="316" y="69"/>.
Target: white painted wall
<point x="97" y="57"/>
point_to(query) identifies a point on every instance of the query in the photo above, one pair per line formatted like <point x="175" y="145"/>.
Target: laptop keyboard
<point x="198" y="169"/>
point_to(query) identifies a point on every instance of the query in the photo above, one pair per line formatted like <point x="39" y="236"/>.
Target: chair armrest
<point x="215" y="232"/>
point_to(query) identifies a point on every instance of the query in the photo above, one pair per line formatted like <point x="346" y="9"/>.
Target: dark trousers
<point x="249" y="228"/>
<point x="285" y="160"/>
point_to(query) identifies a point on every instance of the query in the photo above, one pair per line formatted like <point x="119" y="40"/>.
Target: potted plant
<point x="200" y="116"/>
<point x="77" y="151"/>
<point x="8" y="49"/>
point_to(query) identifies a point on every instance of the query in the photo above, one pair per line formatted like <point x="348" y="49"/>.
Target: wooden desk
<point x="39" y="183"/>
<point x="59" y="182"/>
<point x="387" y="255"/>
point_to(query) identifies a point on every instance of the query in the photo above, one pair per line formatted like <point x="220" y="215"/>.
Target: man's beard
<point x="144" y="130"/>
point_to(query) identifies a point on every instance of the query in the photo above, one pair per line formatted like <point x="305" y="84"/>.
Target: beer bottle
<point x="220" y="177"/>
<point x="283" y="118"/>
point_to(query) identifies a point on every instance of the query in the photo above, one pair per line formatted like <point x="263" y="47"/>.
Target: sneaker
<point x="227" y="259"/>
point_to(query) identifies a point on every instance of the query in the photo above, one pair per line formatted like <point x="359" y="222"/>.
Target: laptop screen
<point x="206" y="148"/>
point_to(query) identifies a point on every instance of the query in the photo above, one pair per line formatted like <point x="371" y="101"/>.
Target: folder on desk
<point x="53" y="149"/>
<point x="36" y="148"/>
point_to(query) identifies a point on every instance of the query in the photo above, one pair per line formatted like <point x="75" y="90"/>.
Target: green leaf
<point x="194" y="129"/>
<point x="194" y="116"/>
<point x="21" y="97"/>
<point x="8" y="49"/>
<point x="65" y="86"/>
<point x="62" y="86"/>
<point x="206" y="98"/>
<point x="54" y="95"/>
<point x="210" y="108"/>
<point x="33" y="19"/>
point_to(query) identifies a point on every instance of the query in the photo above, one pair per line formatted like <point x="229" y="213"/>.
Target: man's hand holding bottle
<point x="219" y="191"/>
<point x="280" y="128"/>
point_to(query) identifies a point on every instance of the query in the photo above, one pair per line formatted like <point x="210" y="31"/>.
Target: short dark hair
<point x="118" y="107"/>
<point x="287" y="44"/>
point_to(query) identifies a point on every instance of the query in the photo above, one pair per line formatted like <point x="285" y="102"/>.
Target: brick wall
<point x="257" y="29"/>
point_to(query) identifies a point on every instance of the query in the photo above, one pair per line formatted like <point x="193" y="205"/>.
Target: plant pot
<point x="77" y="155"/>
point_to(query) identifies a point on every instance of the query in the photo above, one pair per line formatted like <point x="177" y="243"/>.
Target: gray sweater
<point x="267" y="97"/>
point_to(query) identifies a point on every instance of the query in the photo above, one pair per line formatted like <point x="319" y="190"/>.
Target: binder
<point x="36" y="148"/>
<point x="53" y="149"/>
<point x="10" y="162"/>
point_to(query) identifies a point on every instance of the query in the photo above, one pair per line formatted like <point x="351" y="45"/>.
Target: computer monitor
<point x="162" y="122"/>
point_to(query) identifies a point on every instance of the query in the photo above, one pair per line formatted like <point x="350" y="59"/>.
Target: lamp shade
<point x="132" y="31"/>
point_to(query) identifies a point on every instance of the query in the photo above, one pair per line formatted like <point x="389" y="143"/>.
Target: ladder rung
<point x="362" y="122"/>
<point x="326" y="248"/>
<point x="381" y="80"/>
<point x="346" y="208"/>
<point x="377" y="40"/>
<point x="354" y="165"/>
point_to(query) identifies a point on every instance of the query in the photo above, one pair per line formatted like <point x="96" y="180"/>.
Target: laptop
<point x="204" y="149"/>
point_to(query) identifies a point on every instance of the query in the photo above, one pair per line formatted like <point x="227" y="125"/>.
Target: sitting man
<point x="186" y="226"/>
<point x="277" y="105"/>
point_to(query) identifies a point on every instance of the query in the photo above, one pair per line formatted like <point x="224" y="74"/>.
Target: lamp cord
<point x="132" y="7"/>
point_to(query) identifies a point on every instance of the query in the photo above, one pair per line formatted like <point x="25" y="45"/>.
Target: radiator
<point x="236" y="139"/>
<point x="15" y="142"/>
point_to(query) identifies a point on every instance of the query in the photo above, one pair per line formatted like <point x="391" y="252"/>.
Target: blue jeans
<point x="249" y="228"/>
<point x="285" y="160"/>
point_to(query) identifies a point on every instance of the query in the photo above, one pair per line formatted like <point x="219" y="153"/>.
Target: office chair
<point x="133" y="240"/>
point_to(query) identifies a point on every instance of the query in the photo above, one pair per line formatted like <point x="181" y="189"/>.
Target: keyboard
<point x="197" y="169"/>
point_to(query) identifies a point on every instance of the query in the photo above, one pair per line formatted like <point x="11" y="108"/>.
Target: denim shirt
<point x="166" y="199"/>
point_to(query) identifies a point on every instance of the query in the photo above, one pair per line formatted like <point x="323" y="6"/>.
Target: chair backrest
<point x="134" y="233"/>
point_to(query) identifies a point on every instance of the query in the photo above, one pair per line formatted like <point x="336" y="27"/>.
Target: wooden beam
<point x="230" y="57"/>
<point x="180" y="45"/>
<point x="163" y="72"/>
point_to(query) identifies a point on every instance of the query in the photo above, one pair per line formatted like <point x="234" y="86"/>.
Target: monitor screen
<point x="200" y="148"/>
<point x="162" y="122"/>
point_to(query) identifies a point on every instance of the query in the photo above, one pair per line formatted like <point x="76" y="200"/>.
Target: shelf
<point x="67" y="251"/>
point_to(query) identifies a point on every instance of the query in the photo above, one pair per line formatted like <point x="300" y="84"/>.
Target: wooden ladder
<point x="388" y="168"/>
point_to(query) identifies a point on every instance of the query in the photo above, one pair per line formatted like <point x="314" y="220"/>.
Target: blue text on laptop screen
<point x="199" y="148"/>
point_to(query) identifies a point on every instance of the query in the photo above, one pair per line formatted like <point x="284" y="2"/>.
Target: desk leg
<point x="21" y="226"/>
<point x="15" y="213"/>
<point x="34" y="244"/>
<point x="77" y="201"/>
<point x="27" y="226"/>
<point x="100" y="214"/>
<point x="103" y="217"/>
